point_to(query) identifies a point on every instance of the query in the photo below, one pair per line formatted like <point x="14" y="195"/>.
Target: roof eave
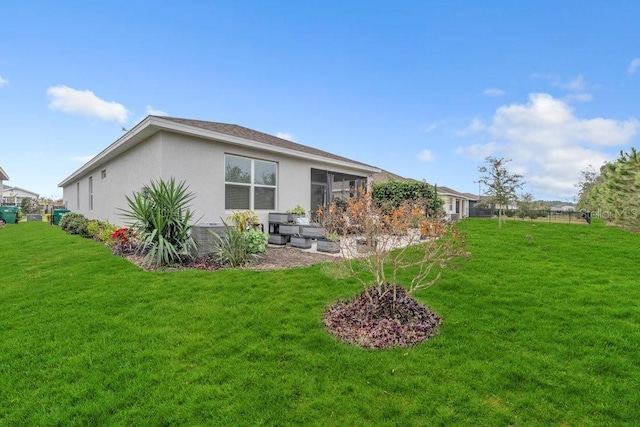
<point x="243" y="142"/>
<point x="152" y="124"/>
<point x="126" y="141"/>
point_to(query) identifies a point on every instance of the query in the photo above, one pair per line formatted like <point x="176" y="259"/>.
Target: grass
<point x="541" y="327"/>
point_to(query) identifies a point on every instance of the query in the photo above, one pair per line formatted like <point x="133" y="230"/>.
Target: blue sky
<point x="424" y="89"/>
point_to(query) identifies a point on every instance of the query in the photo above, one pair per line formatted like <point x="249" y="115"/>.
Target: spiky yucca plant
<point x="161" y="219"/>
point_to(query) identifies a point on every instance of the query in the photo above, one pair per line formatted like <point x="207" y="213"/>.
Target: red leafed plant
<point x="123" y="241"/>
<point x="123" y="234"/>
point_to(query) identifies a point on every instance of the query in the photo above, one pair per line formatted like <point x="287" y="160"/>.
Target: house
<point x="3" y="177"/>
<point x="473" y="199"/>
<point x="564" y="208"/>
<point x="228" y="167"/>
<point x="456" y="204"/>
<point x="13" y="196"/>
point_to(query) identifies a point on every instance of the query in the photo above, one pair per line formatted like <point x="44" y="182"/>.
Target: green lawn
<point x="541" y="327"/>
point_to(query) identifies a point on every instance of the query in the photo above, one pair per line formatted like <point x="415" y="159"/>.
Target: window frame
<point x="91" y="193"/>
<point x="252" y="185"/>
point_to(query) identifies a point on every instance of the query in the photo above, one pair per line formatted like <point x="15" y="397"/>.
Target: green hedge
<point x="396" y="192"/>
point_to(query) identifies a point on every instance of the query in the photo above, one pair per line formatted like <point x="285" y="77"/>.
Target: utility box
<point x="57" y="215"/>
<point x="202" y="234"/>
<point x="9" y="214"/>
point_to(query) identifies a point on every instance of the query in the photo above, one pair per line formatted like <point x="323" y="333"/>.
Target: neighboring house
<point x="3" y="177"/>
<point x="566" y="208"/>
<point x="509" y="207"/>
<point x="13" y="196"/>
<point x="473" y="199"/>
<point x="227" y="167"/>
<point x="456" y="204"/>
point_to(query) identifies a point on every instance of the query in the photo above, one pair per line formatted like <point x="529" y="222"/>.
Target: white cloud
<point x="577" y="87"/>
<point x="3" y="82"/>
<point x="425" y="156"/>
<point x="580" y="97"/>
<point x="430" y="128"/>
<point x="549" y="144"/>
<point x="476" y="126"/>
<point x="285" y="135"/>
<point x="479" y="151"/>
<point x="634" y="66"/>
<point x="82" y="159"/>
<point x="85" y="102"/>
<point x="494" y="91"/>
<point x="150" y="111"/>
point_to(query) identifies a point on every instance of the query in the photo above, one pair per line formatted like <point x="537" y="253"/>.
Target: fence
<point x="550" y="215"/>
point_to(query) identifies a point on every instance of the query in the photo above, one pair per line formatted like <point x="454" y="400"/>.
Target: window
<point x="78" y="196"/>
<point x="249" y="183"/>
<point x="90" y="193"/>
<point x="103" y="174"/>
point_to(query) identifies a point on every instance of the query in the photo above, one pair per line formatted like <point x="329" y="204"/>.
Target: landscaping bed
<point x="275" y="258"/>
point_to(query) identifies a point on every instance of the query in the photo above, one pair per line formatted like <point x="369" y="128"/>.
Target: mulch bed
<point x="275" y="258"/>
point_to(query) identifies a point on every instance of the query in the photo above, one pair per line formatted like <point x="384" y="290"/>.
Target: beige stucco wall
<point x="199" y="163"/>
<point x="124" y="175"/>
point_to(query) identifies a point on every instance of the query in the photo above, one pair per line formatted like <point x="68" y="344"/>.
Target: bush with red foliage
<point x="122" y="241"/>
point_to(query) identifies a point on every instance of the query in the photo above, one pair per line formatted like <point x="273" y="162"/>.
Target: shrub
<point x="237" y="247"/>
<point x="245" y="220"/>
<point x="105" y="231"/>
<point x="232" y="247"/>
<point x="30" y="206"/>
<point x="161" y="218"/>
<point x="298" y="210"/>
<point x="391" y="234"/>
<point x="122" y="241"/>
<point x="395" y="193"/>
<point x="73" y="223"/>
<point x="256" y="242"/>
<point x="92" y="229"/>
<point x="385" y="314"/>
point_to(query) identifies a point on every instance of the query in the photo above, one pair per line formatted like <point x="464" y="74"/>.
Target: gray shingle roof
<point x="254" y="135"/>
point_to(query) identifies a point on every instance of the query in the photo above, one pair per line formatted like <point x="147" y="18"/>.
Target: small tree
<point x="378" y="242"/>
<point x="525" y="205"/>
<point x="383" y="241"/>
<point x="29" y="206"/>
<point x="500" y="184"/>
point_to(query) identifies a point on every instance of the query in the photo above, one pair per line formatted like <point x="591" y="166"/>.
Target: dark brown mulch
<point x="381" y="317"/>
